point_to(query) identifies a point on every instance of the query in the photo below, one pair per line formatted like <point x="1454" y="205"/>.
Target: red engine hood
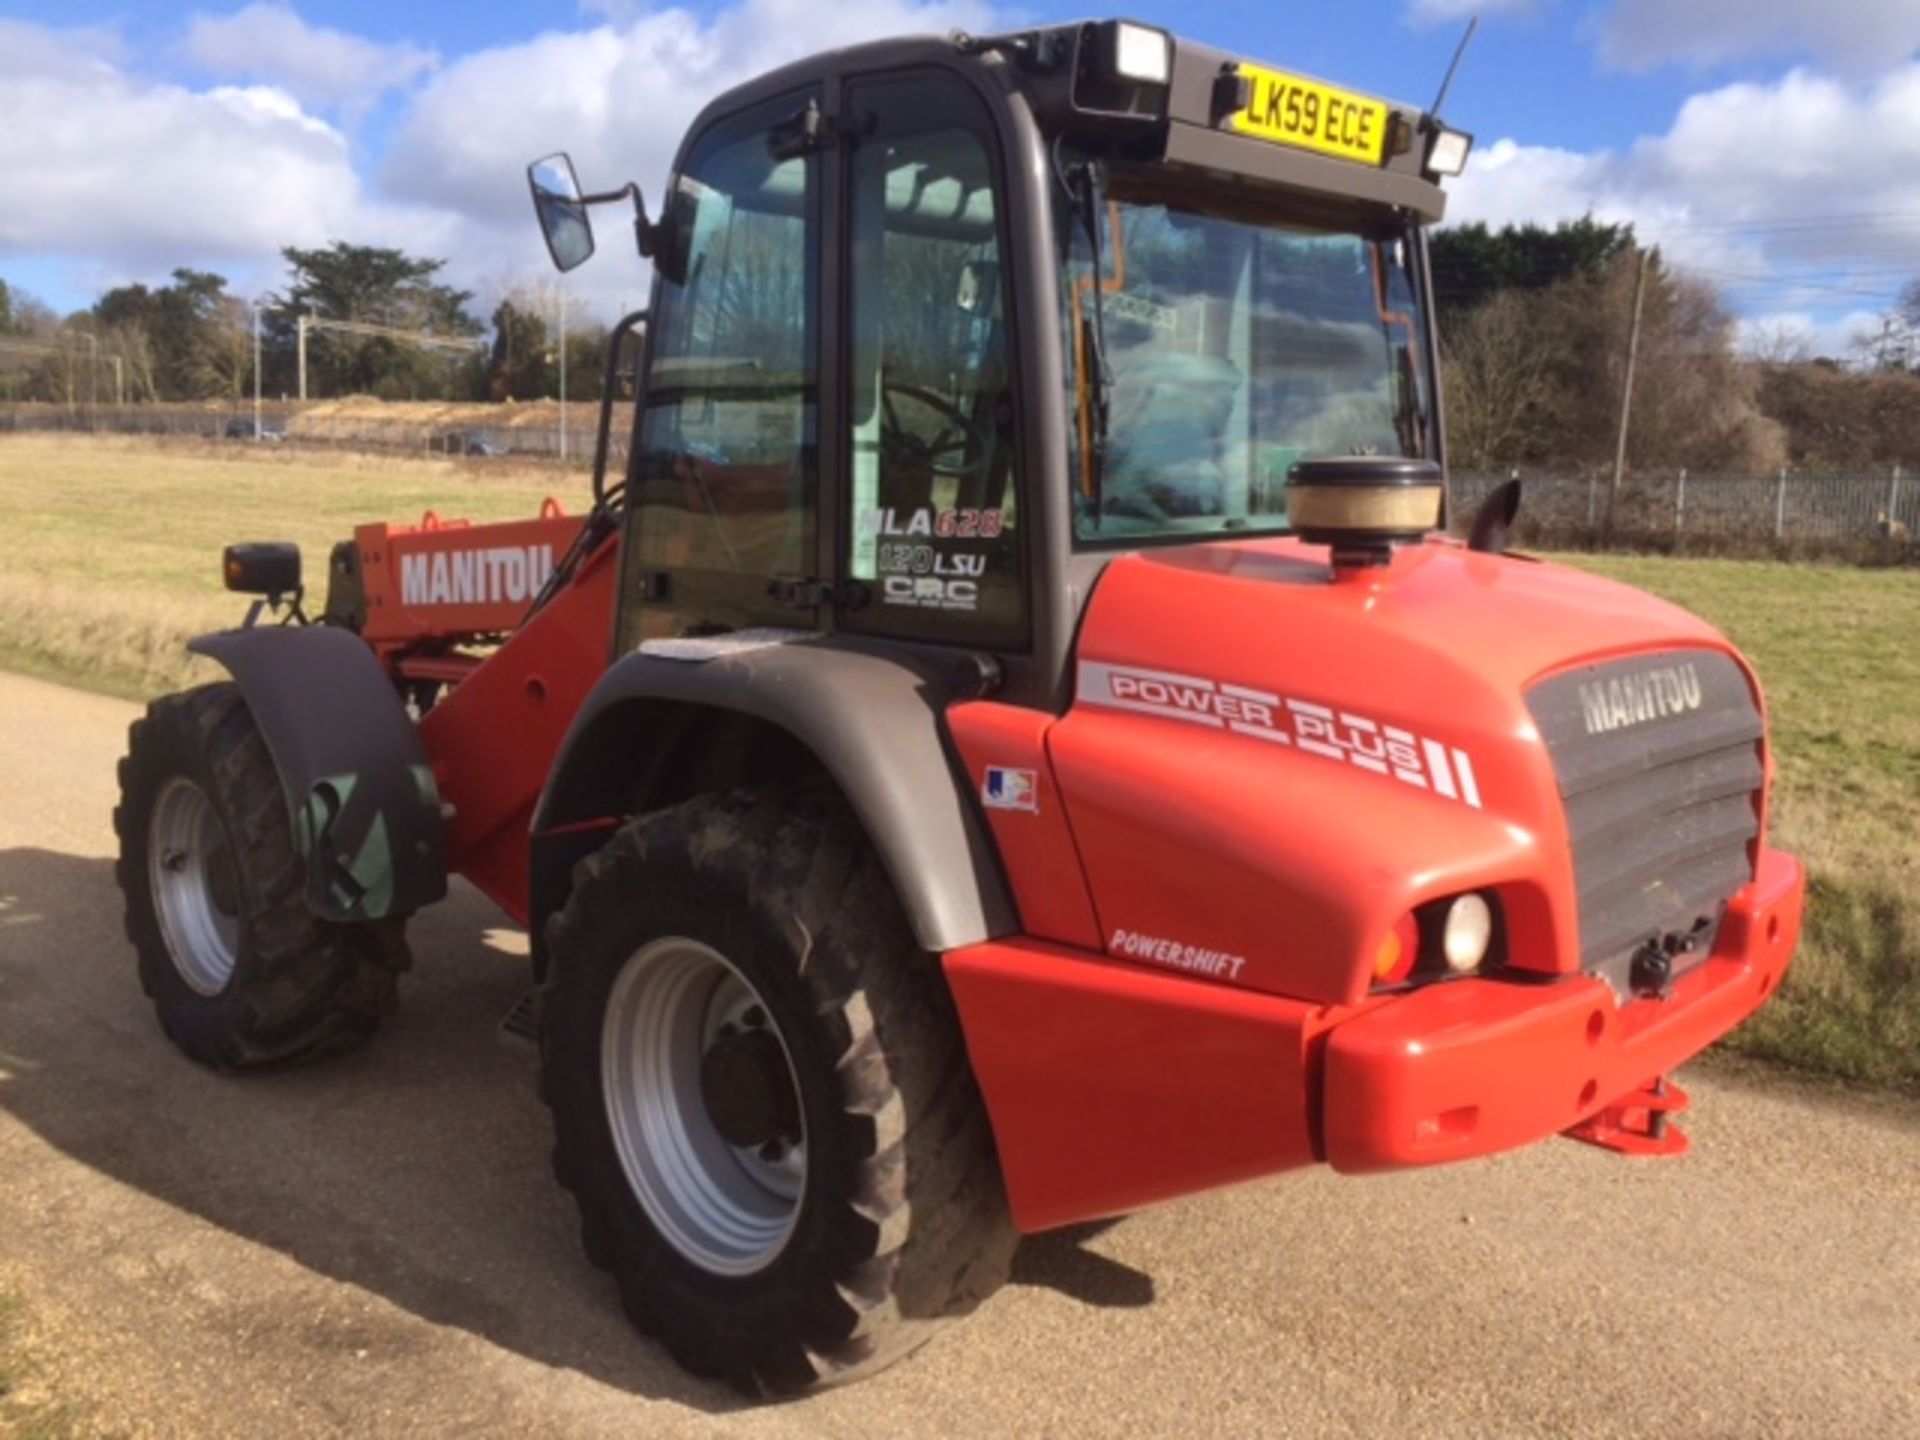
<point x="1499" y="621"/>
<point x="1266" y="767"/>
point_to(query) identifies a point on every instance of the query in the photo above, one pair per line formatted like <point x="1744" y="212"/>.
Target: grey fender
<point x="359" y="791"/>
<point x="871" y="718"/>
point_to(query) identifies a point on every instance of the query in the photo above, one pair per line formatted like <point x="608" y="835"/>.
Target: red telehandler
<point x="1012" y="747"/>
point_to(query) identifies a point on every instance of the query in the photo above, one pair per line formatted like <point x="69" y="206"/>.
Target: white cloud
<point x="1436" y="12"/>
<point x="320" y="67"/>
<point x="1858" y="36"/>
<point x="69" y="54"/>
<point x="1800" y="193"/>
<point x="134" y="176"/>
<point x="1799" y="334"/>
<point x="124" y="176"/>
<point x="618" y="96"/>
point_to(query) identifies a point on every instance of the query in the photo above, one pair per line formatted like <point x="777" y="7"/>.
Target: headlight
<point x="1442" y="939"/>
<point x="1447" y="155"/>
<point x="1467" y="933"/>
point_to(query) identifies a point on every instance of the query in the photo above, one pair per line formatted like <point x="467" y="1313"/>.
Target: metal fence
<point x="1872" y="514"/>
<point x="1869" y="515"/>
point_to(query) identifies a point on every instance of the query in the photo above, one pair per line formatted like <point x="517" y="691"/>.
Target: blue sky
<point x="1770" y="146"/>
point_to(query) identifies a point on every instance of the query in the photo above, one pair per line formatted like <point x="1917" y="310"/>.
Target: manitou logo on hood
<point x="1635" y="699"/>
<point x="1262" y="715"/>
<point x="512" y="573"/>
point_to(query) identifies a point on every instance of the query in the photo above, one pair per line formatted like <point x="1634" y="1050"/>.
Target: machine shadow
<point x="416" y="1168"/>
<point x="1059" y="1260"/>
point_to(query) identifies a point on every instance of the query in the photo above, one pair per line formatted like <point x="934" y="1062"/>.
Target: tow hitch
<point x="1639" y="1122"/>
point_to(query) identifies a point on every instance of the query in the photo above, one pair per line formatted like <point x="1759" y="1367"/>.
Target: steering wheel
<point x="944" y="455"/>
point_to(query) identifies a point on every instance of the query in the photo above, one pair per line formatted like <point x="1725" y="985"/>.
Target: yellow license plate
<point x="1292" y="111"/>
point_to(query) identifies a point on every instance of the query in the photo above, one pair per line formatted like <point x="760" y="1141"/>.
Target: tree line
<point x="1536" y="326"/>
<point x="193" y="339"/>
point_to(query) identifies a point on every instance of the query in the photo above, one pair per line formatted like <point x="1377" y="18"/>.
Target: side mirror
<point x="562" y="210"/>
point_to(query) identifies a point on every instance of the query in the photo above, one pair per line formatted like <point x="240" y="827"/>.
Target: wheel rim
<point x="678" y="1007"/>
<point x="195" y="890"/>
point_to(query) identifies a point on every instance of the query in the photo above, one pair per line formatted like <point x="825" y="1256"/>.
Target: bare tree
<point x="1775" y="343"/>
<point x="1695" y="406"/>
<point x="133" y="343"/>
<point x="229" y="345"/>
<point x="1537" y="375"/>
<point x="1498" y="382"/>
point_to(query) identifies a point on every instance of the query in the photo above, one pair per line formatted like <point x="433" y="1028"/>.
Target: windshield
<point x="1217" y="349"/>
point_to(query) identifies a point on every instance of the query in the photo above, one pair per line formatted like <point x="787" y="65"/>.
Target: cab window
<point x="727" y="456"/>
<point x="934" y="510"/>
<point x="1210" y="346"/>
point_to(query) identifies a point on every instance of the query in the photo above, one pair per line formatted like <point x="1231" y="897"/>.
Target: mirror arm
<point x="644" y="231"/>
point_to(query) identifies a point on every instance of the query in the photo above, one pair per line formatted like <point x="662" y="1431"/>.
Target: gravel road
<point x="374" y="1246"/>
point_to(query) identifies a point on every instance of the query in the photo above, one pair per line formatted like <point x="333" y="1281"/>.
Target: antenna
<point x="1458" y="55"/>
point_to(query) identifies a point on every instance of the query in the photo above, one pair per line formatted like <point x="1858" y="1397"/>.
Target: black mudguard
<point x="873" y="718"/>
<point x="360" y="793"/>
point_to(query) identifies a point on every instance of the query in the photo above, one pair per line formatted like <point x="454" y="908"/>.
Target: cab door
<point x="721" y="525"/>
<point x="931" y="525"/>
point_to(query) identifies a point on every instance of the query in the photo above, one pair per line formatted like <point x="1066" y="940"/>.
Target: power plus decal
<point x="1323" y="730"/>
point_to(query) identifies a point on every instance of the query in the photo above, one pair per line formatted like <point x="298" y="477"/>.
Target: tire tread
<point x="928" y="1186"/>
<point x="303" y="987"/>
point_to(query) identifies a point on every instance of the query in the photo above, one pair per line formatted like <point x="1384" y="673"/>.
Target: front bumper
<point x="1479" y="1066"/>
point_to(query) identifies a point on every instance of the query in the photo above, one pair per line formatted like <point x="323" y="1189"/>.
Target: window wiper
<point x="1095" y="375"/>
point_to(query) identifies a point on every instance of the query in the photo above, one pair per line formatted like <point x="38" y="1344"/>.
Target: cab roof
<point x="1189" y="124"/>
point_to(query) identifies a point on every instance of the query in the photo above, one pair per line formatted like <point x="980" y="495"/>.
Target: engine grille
<point x="1659" y="766"/>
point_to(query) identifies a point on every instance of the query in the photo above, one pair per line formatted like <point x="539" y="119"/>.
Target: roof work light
<point x="1142" y="54"/>
<point x="1122" y="73"/>
<point x="1447" y="155"/>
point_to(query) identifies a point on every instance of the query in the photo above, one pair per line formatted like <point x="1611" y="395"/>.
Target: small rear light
<point x="1399" y="951"/>
<point x="269" y="568"/>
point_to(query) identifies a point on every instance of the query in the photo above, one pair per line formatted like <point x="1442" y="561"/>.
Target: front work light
<point x="1447" y="155"/>
<point x="1467" y="933"/>
<point x="1142" y="54"/>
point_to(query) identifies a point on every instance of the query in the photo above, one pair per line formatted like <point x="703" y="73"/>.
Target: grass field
<point x="109" y="554"/>
<point x="110" y="548"/>
<point x="1838" y="652"/>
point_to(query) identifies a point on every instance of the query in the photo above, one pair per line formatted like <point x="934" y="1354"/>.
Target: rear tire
<point x="840" y="1197"/>
<point x="241" y="973"/>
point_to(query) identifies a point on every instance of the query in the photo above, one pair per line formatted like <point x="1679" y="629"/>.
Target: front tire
<point x="242" y="975"/>
<point x="761" y="1099"/>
